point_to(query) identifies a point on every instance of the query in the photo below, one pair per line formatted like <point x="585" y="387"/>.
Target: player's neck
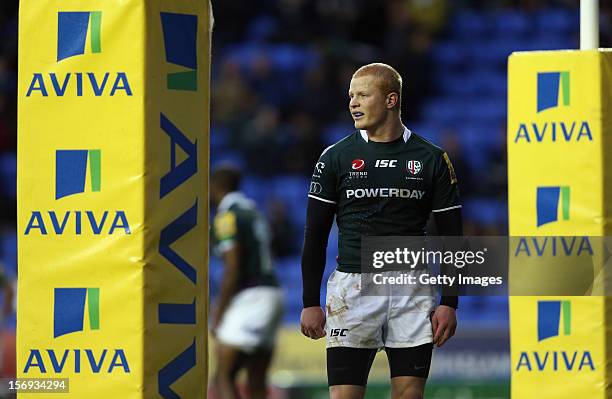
<point x="390" y="130"/>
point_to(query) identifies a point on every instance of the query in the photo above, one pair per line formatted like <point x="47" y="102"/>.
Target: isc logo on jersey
<point x="384" y="193"/>
<point x="338" y="332"/>
<point x="386" y="163"/>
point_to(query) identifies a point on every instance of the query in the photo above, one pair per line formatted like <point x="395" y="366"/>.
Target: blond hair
<point x="389" y="80"/>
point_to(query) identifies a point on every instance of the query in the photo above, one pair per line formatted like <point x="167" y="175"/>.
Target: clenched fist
<point x="313" y="322"/>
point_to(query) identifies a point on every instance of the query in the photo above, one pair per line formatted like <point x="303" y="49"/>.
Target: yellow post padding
<point x="560" y="181"/>
<point x="113" y="131"/>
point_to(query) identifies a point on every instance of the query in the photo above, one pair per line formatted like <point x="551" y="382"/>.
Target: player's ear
<point x="392" y="99"/>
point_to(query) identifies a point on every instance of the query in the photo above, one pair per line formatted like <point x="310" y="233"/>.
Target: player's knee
<point x="226" y="373"/>
<point x="409" y="395"/>
<point x="346" y="392"/>
<point x="407" y="388"/>
<point x="223" y="378"/>
<point x="412" y="392"/>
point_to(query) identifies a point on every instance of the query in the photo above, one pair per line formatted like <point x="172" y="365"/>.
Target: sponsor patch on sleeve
<point x="225" y="226"/>
<point x="451" y="170"/>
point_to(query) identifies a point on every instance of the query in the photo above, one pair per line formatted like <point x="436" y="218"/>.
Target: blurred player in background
<point x="382" y="180"/>
<point x="8" y="294"/>
<point x="249" y="309"/>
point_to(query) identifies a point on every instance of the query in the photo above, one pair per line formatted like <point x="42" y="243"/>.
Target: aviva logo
<point x="71" y="171"/>
<point x="70" y="178"/>
<point x="555" y="319"/>
<point x="180" y="41"/>
<point x="73" y="31"/>
<point x="552" y="315"/>
<point x="553" y="89"/>
<point x="547" y="204"/>
<point x="72" y="28"/>
<point x="549" y="84"/>
<point x="69" y="310"/>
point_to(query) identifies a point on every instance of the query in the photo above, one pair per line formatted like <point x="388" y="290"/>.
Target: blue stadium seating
<point x="227" y="156"/>
<point x="512" y="24"/>
<point x="336" y="132"/>
<point x="471" y="24"/>
<point x="485" y="211"/>
<point x="557" y="22"/>
<point x="284" y="57"/>
<point x="8" y="174"/>
<point x="8" y="252"/>
<point x="219" y="139"/>
<point x="452" y="54"/>
<point x="292" y="191"/>
<point x="444" y="110"/>
<point x="257" y="189"/>
<point x="551" y="42"/>
<point x="261" y="28"/>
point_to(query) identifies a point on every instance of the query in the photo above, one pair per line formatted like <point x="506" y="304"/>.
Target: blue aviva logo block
<point x="72" y="28"/>
<point x="69" y="310"/>
<point x="547" y="204"/>
<point x="180" y="41"/>
<point x="550" y="316"/>
<point x="71" y="171"/>
<point x="549" y="84"/>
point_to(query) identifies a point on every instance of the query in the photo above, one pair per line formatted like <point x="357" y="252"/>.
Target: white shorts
<point x="371" y="322"/>
<point x="252" y="319"/>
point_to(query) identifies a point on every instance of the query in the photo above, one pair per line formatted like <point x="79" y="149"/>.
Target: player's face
<point x="367" y="102"/>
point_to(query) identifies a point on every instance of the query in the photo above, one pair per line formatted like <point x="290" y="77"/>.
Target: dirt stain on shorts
<point x="331" y="313"/>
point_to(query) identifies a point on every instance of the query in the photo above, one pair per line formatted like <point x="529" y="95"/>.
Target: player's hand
<point x="313" y="322"/>
<point x="443" y="324"/>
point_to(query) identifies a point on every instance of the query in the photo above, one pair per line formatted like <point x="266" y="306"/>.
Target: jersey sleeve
<point x="225" y="230"/>
<point x="323" y="185"/>
<point x="445" y="190"/>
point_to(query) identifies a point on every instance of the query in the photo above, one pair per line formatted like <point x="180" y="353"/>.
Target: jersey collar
<point x="406" y="135"/>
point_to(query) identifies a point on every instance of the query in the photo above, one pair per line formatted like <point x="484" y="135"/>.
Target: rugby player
<point x="381" y="180"/>
<point x="249" y="309"/>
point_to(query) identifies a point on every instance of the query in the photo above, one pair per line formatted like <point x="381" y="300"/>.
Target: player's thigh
<point x="252" y="319"/>
<point x="349" y="366"/>
<point x="409" y="369"/>
<point x="407" y="387"/>
<point x="353" y="320"/>
<point x="409" y="321"/>
<point x="229" y="360"/>
<point x="413" y="362"/>
<point x="257" y="366"/>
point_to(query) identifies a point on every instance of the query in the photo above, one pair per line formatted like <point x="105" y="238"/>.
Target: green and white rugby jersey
<point x="382" y="189"/>
<point x="238" y="221"/>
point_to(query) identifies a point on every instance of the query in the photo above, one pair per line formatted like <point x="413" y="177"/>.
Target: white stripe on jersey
<point x="322" y="199"/>
<point x="325" y="150"/>
<point x="446" y="209"/>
